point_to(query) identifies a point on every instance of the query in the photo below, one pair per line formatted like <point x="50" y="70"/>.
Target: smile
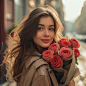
<point x="45" y="40"/>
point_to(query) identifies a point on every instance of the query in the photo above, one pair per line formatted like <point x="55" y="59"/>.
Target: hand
<point x="72" y="83"/>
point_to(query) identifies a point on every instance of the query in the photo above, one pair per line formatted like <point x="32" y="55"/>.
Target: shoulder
<point x="35" y="61"/>
<point x="36" y="69"/>
<point x="41" y="75"/>
<point x="37" y="65"/>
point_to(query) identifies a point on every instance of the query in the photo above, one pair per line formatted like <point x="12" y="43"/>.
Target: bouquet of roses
<point x="62" y="57"/>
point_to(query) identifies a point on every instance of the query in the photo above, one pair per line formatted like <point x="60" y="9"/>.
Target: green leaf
<point x="76" y="61"/>
<point x="66" y="63"/>
<point x="40" y="56"/>
<point x="70" y="47"/>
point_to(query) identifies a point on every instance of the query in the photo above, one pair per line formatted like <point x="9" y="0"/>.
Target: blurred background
<point x="72" y="14"/>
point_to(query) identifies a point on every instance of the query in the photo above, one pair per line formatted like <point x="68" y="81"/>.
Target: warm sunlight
<point x="72" y="9"/>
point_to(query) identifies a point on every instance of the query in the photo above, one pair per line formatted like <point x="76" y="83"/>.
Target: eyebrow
<point x="43" y="25"/>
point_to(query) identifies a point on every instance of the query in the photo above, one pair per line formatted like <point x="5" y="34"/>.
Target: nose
<point x="46" y="33"/>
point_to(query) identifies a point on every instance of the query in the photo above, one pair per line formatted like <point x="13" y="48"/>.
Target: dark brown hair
<point x="23" y="39"/>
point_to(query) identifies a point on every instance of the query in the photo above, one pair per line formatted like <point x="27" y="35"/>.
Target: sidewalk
<point x="8" y="84"/>
<point x="4" y="84"/>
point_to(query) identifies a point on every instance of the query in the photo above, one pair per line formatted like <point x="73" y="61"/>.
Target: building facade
<point x="80" y="23"/>
<point x="11" y="12"/>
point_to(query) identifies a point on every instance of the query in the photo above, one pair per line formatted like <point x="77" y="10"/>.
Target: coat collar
<point x="32" y="58"/>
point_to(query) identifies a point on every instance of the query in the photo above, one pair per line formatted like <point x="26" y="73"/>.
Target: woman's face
<point x="45" y="33"/>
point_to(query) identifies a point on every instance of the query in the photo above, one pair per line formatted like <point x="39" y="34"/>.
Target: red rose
<point x="65" y="53"/>
<point x="61" y="40"/>
<point x="74" y="43"/>
<point x="64" y="43"/>
<point x="76" y="52"/>
<point x="56" y="61"/>
<point x="55" y="47"/>
<point x="48" y="55"/>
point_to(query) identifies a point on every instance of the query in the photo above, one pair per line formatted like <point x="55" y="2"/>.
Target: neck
<point x="39" y="49"/>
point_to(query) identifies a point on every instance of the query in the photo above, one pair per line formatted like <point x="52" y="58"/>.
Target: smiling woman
<point x="35" y="33"/>
<point x="45" y="33"/>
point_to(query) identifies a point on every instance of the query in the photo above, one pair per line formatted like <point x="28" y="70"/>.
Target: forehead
<point x="46" y="20"/>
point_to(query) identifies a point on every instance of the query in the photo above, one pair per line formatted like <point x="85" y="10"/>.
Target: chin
<point x="46" y="46"/>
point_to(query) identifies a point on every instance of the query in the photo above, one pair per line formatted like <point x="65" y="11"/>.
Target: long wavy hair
<point x="22" y="40"/>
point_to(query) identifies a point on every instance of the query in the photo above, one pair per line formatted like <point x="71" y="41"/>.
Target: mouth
<point x="45" y="40"/>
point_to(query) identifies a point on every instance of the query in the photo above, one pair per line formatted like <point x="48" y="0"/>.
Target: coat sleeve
<point x="42" y="80"/>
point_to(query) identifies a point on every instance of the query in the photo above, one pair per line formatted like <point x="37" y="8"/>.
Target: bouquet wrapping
<point x="62" y="57"/>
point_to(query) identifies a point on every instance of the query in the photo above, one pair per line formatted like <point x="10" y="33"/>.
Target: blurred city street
<point x="72" y="17"/>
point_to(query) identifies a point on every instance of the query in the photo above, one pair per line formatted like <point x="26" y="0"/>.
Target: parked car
<point x="80" y="37"/>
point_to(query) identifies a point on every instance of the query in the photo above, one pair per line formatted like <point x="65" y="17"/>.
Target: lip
<point x="45" y="40"/>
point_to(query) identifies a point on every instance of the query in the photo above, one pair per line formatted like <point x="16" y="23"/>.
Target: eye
<point x="52" y="29"/>
<point x="40" y="28"/>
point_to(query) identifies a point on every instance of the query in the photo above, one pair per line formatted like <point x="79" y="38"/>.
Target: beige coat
<point x="39" y="74"/>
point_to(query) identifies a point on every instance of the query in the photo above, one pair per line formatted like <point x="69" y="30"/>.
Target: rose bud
<point x="48" y="55"/>
<point x="55" y="47"/>
<point x="76" y="52"/>
<point x="65" y="53"/>
<point x="56" y="61"/>
<point x="74" y="43"/>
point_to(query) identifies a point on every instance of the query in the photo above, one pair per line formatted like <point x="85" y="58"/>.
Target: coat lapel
<point x="32" y="58"/>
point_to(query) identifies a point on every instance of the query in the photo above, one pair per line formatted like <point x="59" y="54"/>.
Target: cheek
<point x="35" y="39"/>
<point x="52" y="35"/>
<point x="38" y="35"/>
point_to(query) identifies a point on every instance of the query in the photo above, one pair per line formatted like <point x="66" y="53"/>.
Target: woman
<point x="36" y="32"/>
